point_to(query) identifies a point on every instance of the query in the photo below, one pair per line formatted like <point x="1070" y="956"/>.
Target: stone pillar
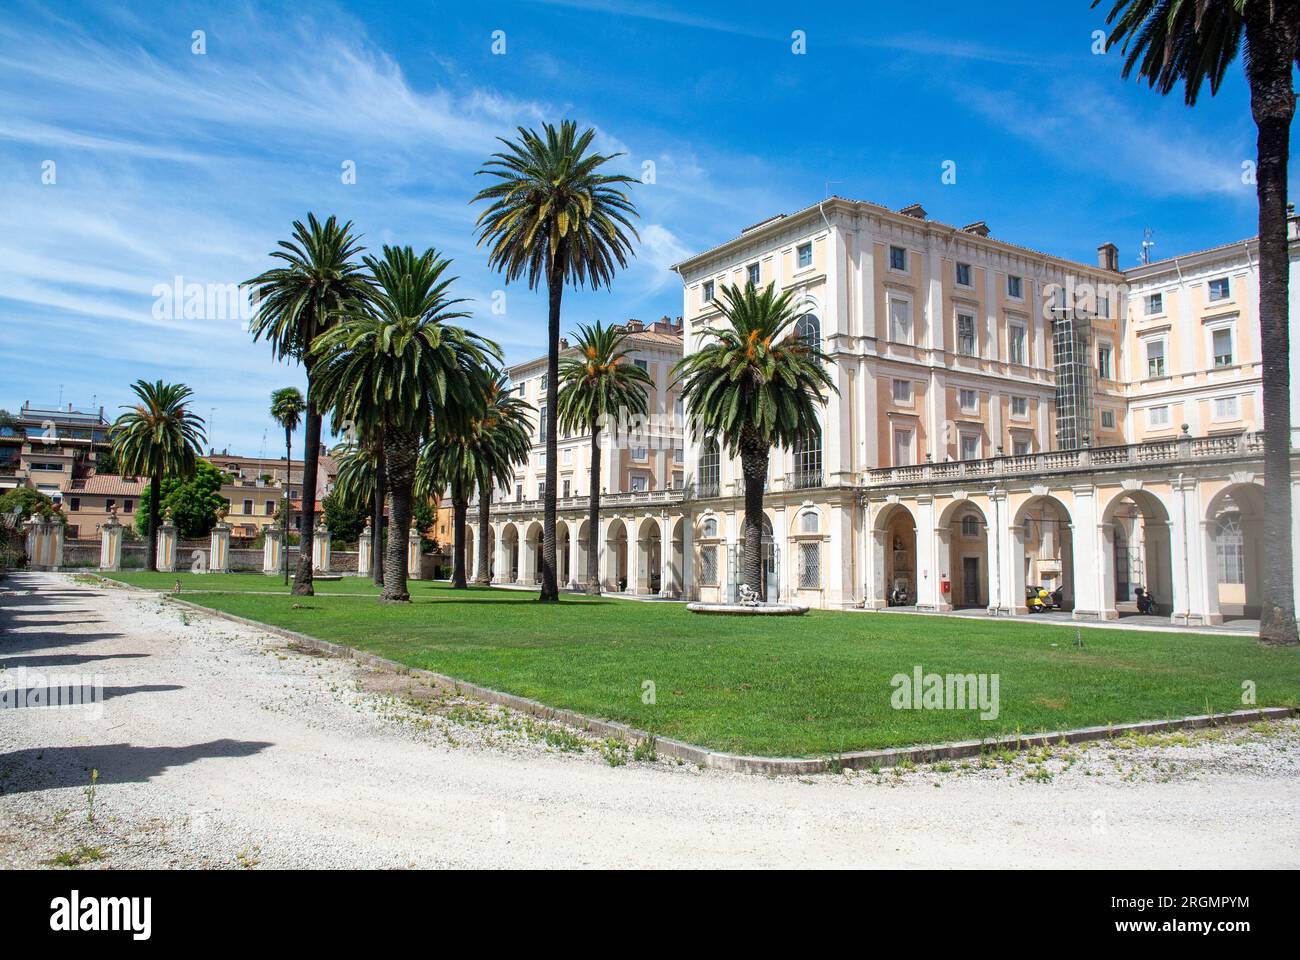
<point x="927" y="570"/>
<point x="527" y="560"/>
<point x="413" y="554"/>
<point x="219" y="552"/>
<point x="1089" y="564"/>
<point x="56" y="544"/>
<point x="272" y="554"/>
<point x="110" y="543"/>
<point x="30" y="528"/>
<point x="320" y="548"/>
<point x="45" y="544"/>
<point x="363" y="551"/>
<point x="165" y="554"/>
<point x="577" y="570"/>
<point x="943" y="568"/>
<point x="667" y="579"/>
<point x="1000" y="546"/>
<point x="688" y="558"/>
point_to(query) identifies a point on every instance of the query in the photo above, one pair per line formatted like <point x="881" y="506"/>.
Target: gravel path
<point x="218" y="747"/>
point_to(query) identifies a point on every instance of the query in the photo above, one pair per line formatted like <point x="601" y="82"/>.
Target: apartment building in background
<point x="1002" y="418"/>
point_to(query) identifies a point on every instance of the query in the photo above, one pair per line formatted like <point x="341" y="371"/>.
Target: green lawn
<point x="801" y="686"/>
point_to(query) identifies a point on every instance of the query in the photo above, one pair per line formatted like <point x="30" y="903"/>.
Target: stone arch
<point x="1136" y="551"/>
<point x="1234" y="538"/>
<point x="964" y="557"/>
<point x="510" y="554"/>
<point x="1043" y="533"/>
<point x="615" y="572"/>
<point x="894" y="556"/>
<point x="530" y="564"/>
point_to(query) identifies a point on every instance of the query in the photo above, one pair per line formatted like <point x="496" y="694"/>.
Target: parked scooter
<point x="1146" y="603"/>
<point x="1058" y="598"/>
<point x="1037" y="599"/>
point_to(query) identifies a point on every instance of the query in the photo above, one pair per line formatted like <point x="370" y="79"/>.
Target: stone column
<point x="271" y="550"/>
<point x="56" y="544"/>
<point x="165" y="555"/>
<point x="667" y="580"/>
<point x="320" y="548"/>
<point x="1089" y="564"/>
<point x="30" y="529"/>
<point x="577" y="571"/>
<point x="363" y="551"/>
<point x="219" y="552"/>
<point x="943" y="568"/>
<point x="110" y="543"/>
<point x="413" y="554"/>
<point x="927" y="570"/>
<point x="688" y="557"/>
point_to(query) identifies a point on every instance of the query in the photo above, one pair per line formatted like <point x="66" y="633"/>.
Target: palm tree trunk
<point x="484" y="575"/>
<point x="593" y="517"/>
<point x="753" y="464"/>
<point x="155" y="495"/>
<point x="377" y="519"/>
<point x="302" y="581"/>
<point x="1271" y="37"/>
<point x="401" y="451"/>
<point x="459" y="508"/>
<point x="288" y="504"/>
<point x="550" y="581"/>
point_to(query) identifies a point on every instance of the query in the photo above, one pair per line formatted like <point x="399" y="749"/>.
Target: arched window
<point x="1229" y="549"/>
<point x="710" y="528"/>
<point x="808" y="461"/>
<point x="710" y="472"/>
<point x="809" y="329"/>
<point x="809" y="522"/>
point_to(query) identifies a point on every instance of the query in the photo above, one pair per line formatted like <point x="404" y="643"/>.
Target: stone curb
<point x="741" y="763"/>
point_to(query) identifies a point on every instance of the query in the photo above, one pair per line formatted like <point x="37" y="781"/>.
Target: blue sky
<point x="173" y="164"/>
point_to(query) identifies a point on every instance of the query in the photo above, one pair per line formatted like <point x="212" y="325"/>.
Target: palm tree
<point x="448" y="463"/>
<point x="754" y="384"/>
<point x="393" y="361"/>
<point x="295" y="304"/>
<point x="287" y="409"/>
<point x="157" y="437"/>
<point x="1179" y="41"/>
<point x="360" y="482"/>
<point x="505" y="442"/>
<point x="554" y="216"/>
<point x="599" y="385"/>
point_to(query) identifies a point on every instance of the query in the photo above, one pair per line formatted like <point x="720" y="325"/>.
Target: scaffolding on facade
<point x="1072" y="362"/>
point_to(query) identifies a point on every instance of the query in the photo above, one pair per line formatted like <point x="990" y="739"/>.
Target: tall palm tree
<point x="505" y="442"/>
<point x="754" y="384"/>
<point x="599" y="385"/>
<point x="361" y="484"/>
<point x="295" y="304"/>
<point x="287" y="409"/>
<point x="394" y="361"/>
<point x="1189" y="42"/>
<point x="157" y="437"/>
<point x="554" y="216"/>
<point x="449" y="464"/>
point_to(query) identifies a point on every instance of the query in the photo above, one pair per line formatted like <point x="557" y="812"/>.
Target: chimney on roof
<point x="1108" y="257"/>
<point x="635" y="326"/>
<point x="979" y="228"/>
<point x="914" y="210"/>
<point x="564" y="343"/>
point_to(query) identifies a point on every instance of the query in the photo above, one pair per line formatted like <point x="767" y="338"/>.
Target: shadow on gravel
<point x="12" y="642"/>
<point x="63" y="659"/>
<point x="49" y="768"/>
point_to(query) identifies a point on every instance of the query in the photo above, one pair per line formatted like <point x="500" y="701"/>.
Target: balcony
<point x="1128" y="456"/>
<point x="804" y="480"/>
<point x="639" y="498"/>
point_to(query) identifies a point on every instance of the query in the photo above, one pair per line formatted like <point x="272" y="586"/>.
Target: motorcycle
<point x="1037" y="599"/>
<point x="1146" y="603"/>
<point x="1058" y="598"/>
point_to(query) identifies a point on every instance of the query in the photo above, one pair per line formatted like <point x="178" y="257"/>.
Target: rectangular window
<point x="967" y="399"/>
<point x="898" y="259"/>
<point x="638" y="453"/>
<point x="541" y="423"/>
<point x="1016" y="343"/>
<point x="128" y="506"/>
<point x="1103" y="304"/>
<point x="567" y="488"/>
<point x="1220" y="289"/>
<point x="1225" y="408"/>
<point x="754" y="274"/>
<point x="902" y="447"/>
<point x="541" y="490"/>
<point x="709" y="566"/>
<point x="109" y="504"/>
<point x="643" y="365"/>
<point x="638" y="483"/>
<point x="1155" y="358"/>
<point x="1108" y="419"/>
<point x="519" y="491"/>
<point x="1155" y="304"/>
<point x="74" y="504"/>
<point x="900" y="321"/>
<point x="546" y="380"/>
<point x="567" y="456"/>
<point x="708" y="290"/>
<point x="804" y="255"/>
<point x="1020" y="407"/>
<point x="965" y="335"/>
<point x="679" y="454"/>
<point x="269" y="508"/>
<point x="810" y="566"/>
<point x="248" y="507"/>
<point x="970" y="446"/>
<point x="1015" y="288"/>
<point x="963" y="274"/>
<point x="1222" y="347"/>
<point x="1158" y="417"/>
<point x="902" y="391"/>
<point x="1104" y="353"/>
<point x="1021" y="448"/>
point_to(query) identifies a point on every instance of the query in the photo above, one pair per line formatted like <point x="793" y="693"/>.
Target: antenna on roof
<point x="1147" y="244"/>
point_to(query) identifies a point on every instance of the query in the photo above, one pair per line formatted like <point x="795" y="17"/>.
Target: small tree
<point x="193" y="501"/>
